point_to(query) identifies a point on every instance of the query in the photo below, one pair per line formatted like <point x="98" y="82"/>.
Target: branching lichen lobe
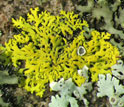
<point x="49" y="55"/>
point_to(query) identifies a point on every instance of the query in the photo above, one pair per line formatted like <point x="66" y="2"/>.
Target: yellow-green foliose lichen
<point x="48" y="44"/>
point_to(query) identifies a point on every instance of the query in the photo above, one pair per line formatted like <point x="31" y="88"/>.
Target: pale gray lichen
<point x="63" y="87"/>
<point x="104" y="10"/>
<point x="109" y="86"/>
<point x="81" y="51"/>
<point x="66" y="89"/>
<point x="5" y="78"/>
<point x="63" y="101"/>
<point x="116" y="101"/>
<point x="121" y="102"/>
<point x="119" y="17"/>
<point x="113" y="100"/>
<point x="119" y="45"/>
<point x="118" y="70"/>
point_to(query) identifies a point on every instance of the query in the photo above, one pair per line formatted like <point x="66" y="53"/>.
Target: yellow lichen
<point x="48" y="45"/>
